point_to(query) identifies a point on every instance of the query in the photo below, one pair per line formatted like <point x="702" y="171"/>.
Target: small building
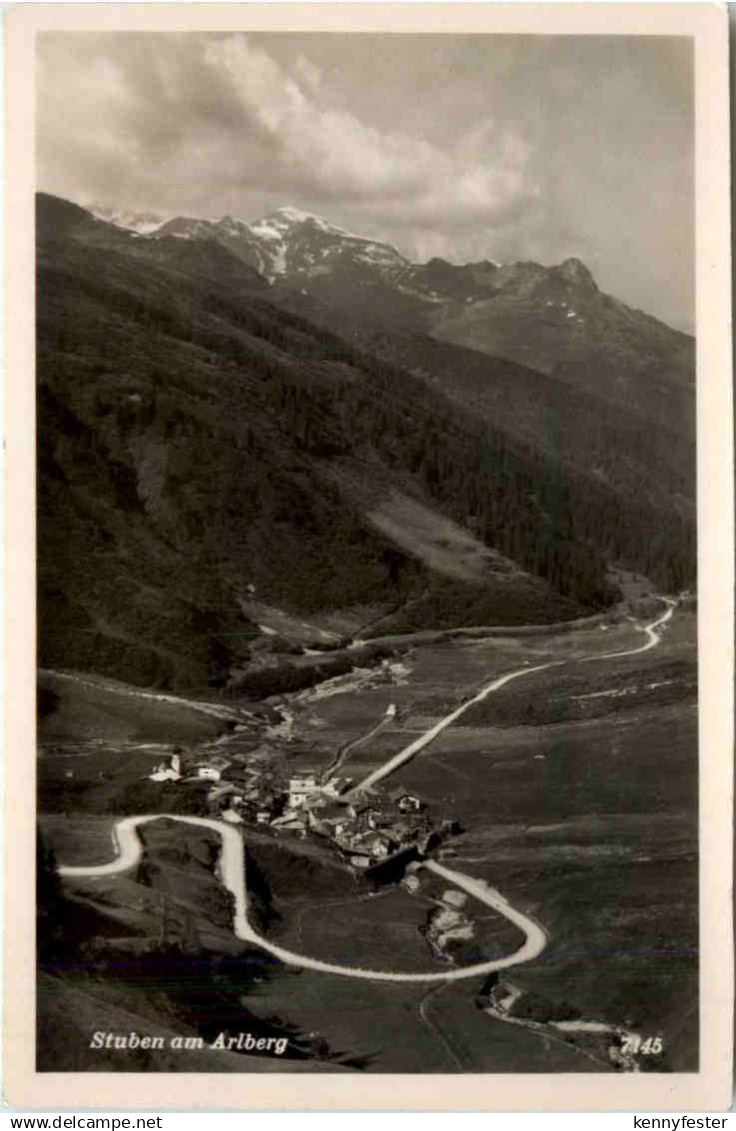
<point x="208" y="773"/>
<point x="373" y="845"/>
<point x="300" y="788"/>
<point x="400" y="832"/>
<point x="291" y="821"/>
<point x="317" y="826"/>
<point x="337" y="826"/>
<point x="370" y="795"/>
<point x="241" y="775"/>
<point x="212" y="769"/>
<point x="406" y="802"/>
<point x="219" y="762"/>
<point x="374" y="818"/>
<point x="335" y="809"/>
<point x="331" y="819"/>
<point x="455" y="898"/>
<point x="316" y="802"/>
<point x="336" y="786"/>
<point x="380" y="850"/>
<point x="223" y="789"/>
<point x="172" y="772"/>
<point x="391" y="869"/>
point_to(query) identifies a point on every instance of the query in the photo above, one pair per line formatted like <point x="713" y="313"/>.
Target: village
<point x="377" y="831"/>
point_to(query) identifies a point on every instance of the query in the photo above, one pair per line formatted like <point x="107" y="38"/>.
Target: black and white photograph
<point x="366" y="553"/>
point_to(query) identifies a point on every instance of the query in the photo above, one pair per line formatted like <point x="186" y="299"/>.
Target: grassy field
<point x="81" y="839"/>
<point x="411" y="1029"/>
<point x="71" y="710"/>
<point x="578" y="802"/>
<point x="379" y="932"/>
<point x="576" y="793"/>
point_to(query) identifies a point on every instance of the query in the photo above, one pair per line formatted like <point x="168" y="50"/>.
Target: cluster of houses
<point x="367" y="827"/>
<point x="240" y="787"/>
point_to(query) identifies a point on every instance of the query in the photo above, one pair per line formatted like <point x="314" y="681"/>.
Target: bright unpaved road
<point x="430" y="735"/>
<point x="653" y="637"/>
<point x="232" y="870"/>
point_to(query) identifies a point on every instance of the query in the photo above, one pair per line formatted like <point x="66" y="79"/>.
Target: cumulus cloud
<point x="192" y="115"/>
<point x="467" y="147"/>
<point x="310" y="75"/>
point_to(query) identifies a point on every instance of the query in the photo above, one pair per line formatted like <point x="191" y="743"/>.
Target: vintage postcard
<point x="369" y="556"/>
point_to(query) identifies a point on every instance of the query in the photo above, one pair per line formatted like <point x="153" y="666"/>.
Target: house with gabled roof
<point x="337" y="786"/>
<point x="172" y="772"/>
<point x="212" y="768"/>
<point x="375" y="845"/>
<point x="300" y="788"/>
<point x="291" y="820"/>
<point x="407" y="802"/>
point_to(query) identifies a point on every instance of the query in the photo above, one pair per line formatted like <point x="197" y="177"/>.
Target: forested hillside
<point x="197" y="443"/>
<point x="572" y="426"/>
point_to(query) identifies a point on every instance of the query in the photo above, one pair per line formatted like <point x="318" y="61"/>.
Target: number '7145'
<point x="651" y="1046"/>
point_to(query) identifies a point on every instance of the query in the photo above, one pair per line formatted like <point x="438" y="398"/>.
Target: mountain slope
<point x="553" y="319"/>
<point x="189" y="439"/>
<point x="292" y="244"/>
<point x="557" y="321"/>
<point x="615" y="446"/>
<point x="200" y="447"/>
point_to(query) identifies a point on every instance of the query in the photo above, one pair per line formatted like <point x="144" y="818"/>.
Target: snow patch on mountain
<point x="142" y="223"/>
<point x="296" y="216"/>
<point x="266" y="230"/>
<point x="278" y="263"/>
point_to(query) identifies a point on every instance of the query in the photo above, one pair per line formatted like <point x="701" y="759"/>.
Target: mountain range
<point x="238" y="415"/>
<point x="553" y="319"/>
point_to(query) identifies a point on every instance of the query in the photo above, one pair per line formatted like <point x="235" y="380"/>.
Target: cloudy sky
<point x="505" y="147"/>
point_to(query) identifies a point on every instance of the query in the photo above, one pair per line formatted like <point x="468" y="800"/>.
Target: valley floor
<point x="570" y="763"/>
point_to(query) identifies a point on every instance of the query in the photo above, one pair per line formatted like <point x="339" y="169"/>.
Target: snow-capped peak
<point x="296" y="216"/>
<point x="267" y="229"/>
<point x="293" y="240"/>
<point x="285" y="217"/>
<point x="141" y="222"/>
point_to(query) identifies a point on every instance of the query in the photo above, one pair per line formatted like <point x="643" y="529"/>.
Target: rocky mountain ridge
<point x="554" y="319"/>
<point x="291" y="244"/>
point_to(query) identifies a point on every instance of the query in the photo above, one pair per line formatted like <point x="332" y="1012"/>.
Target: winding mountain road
<point x="653" y="637"/>
<point x="232" y="872"/>
<point x="231" y="864"/>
